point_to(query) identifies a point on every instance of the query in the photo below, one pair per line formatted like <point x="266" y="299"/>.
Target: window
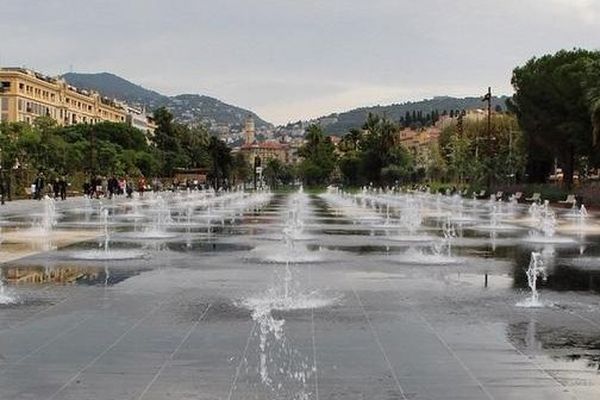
<point x="4" y="103"/>
<point x="21" y="87"/>
<point x="4" y="86"/>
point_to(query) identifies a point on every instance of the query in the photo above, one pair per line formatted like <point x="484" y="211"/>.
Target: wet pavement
<point x="240" y="302"/>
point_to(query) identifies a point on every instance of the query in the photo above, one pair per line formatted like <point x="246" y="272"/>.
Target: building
<point x="258" y="153"/>
<point x="419" y="140"/>
<point x="26" y="95"/>
<point x="249" y="130"/>
<point x="138" y="118"/>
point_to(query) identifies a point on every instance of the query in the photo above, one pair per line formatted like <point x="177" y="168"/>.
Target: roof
<point x="266" y="145"/>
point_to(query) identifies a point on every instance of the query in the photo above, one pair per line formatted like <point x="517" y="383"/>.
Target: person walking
<point x="39" y="186"/>
<point x="62" y="186"/>
<point x="129" y="188"/>
<point x="3" y="188"/>
<point x="142" y="185"/>
<point x="56" y="188"/>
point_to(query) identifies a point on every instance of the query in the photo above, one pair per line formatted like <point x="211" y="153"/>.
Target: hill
<point x="187" y="108"/>
<point x="340" y="123"/>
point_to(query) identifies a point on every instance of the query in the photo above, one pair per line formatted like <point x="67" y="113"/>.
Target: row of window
<point x="79" y="105"/>
<point x="36" y="108"/>
<point x="37" y="92"/>
<point x="50" y="96"/>
<point x="40" y="109"/>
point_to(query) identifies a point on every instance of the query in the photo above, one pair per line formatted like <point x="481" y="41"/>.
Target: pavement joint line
<point x="109" y="347"/>
<point x="35" y="314"/>
<point x="380" y="345"/>
<point x="589" y="321"/>
<point x="314" y="344"/>
<point x="448" y="348"/>
<point x="456" y="357"/>
<point x="53" y="340"/>
<point x="239" y="367"/>
<point x="532" y="359"/>
<point x="175" y="351"/>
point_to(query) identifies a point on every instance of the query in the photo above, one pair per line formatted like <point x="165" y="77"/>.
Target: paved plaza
<point x="295" y="296"/>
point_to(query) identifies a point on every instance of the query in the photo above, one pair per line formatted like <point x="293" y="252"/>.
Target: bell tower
<point x="249" y="129"/>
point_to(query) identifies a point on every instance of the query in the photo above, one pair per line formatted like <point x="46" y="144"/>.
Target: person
<point x="98" y="187"/>
<point x="122" y="185"/>
<point x="56" y="188"/>
<point x="110" y="186"/>
<point x="129" y="189"/>
<point x="39" y="186"/>
<point x="62" y="184"/>
<point x="104" y="183"/>
<point x="142" y="185"/>
<point x="3" y="187"/>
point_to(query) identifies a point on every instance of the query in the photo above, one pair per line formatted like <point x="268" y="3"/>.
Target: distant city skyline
<point x="289" y="60"/>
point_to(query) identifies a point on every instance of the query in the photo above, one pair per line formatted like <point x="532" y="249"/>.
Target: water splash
<point x="6" y="297"/>
<point x="535" y="270"/>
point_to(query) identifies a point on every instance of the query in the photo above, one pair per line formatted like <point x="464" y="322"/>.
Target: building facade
<point x="26" y="95"/>
<point x="259" y="152"/>
<point x="264" y="151"/>
<point x="140" y="119"/>
<point x="419" y="140"/>
<point x="249" y="130"/>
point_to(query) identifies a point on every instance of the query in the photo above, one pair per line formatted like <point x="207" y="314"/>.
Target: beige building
<point x="265" y="151"/>
<point x="26" y="95"/>
<point x="140" y="119"/>
<point x="418" y="140"/>
<point x="254" y="150"/>
<point x="249" y="130"/>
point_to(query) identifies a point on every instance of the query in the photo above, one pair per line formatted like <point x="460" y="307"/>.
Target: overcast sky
<point x="295" y="59"/>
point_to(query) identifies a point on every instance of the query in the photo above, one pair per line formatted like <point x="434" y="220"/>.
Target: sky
<point x="297" y="59"/>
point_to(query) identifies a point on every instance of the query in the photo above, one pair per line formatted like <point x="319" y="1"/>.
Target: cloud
<point x="289" y="59"/>
<point x="587" y="10"/>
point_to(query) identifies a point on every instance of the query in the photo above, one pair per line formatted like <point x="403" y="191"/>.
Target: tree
<point x="168" y="140"/>
<point x="274" y="172"/>
<point x="552" y="105"/>
<point x="350" y="164"/>
<point x="593" y="96"/>
<point x="319" y="158"/>
<point x="377" y="148"/>
<point x="241" y="169"/>
<point x="221" y="162"/>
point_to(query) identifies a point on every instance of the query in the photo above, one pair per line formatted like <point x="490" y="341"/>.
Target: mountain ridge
<point x="342" y="122"/>
<point x="186" y="107"/>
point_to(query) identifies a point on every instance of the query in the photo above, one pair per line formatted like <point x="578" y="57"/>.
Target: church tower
<point x="249" y="129"/>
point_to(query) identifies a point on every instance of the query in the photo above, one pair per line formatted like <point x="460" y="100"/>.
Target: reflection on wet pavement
<point x="371" y="295"/>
